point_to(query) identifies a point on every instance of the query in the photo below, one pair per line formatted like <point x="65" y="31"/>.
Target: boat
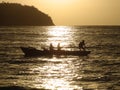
<point x="30" y="51"/>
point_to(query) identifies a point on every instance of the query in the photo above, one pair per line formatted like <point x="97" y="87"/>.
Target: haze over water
<point x="98" y="71"/>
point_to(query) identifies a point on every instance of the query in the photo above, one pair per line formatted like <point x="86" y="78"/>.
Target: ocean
<point x="100" y="70"/>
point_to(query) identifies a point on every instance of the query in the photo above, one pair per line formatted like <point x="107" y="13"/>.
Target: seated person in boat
<point x="51" y="47"/>
<point x="45" y="49"/>
<point x="82" y="45"/>
<point x="58" y="47"/>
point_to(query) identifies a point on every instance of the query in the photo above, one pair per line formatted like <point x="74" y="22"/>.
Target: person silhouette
<point x="82" y="45"/>
<point x="51" y="47"/>
<point x="58" y="47"/>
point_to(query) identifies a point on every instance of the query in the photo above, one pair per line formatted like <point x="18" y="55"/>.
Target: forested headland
<point x="14" y="14"/>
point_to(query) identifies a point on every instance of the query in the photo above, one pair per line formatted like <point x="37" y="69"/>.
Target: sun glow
<point x="59" y="1"/>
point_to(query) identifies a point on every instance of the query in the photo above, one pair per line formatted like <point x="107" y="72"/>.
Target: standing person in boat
<point x="58" y="47"/>
<point x="51" y="47"/>
<point x="82" y="45"/>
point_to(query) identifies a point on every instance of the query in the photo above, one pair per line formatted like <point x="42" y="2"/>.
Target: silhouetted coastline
<point x="13" y="14"/>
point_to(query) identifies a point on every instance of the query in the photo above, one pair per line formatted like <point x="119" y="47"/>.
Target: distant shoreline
<point x="62" y="25"/>
<point x="13" y="14"/>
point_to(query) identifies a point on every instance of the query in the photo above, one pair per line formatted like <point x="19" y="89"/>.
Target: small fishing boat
<point x="30" y="51"/>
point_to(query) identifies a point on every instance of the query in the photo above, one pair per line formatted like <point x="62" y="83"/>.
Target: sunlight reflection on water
<point x="59" y="34"/>
<point x="58" y="74"/>
<point x="97" y="71"/>
<point x="58" y="31"/>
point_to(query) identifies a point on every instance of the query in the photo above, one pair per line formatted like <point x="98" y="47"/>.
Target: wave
<point x="18" y="88"/>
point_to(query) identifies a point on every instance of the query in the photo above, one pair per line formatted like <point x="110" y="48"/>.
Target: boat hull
<point x="35" y="52"/>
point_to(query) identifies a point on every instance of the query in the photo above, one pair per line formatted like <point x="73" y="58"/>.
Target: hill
<point x="13" y="14"/>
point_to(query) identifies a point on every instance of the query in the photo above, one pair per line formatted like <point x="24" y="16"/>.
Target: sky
<point x="77" y="12"/>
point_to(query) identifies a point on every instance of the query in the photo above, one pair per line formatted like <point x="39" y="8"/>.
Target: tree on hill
<point x="13" y="14"/>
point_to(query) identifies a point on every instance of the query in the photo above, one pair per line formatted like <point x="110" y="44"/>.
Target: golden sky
<point x="78" y="12"/>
